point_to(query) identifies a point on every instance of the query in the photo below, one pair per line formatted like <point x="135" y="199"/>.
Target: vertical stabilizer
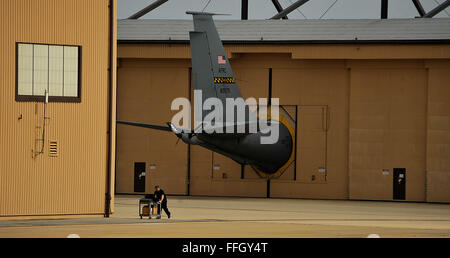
<point x="211" y="68"/>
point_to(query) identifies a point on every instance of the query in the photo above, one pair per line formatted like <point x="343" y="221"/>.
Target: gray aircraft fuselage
<point x="213" y="76"/>
<point x="247" y="148"/>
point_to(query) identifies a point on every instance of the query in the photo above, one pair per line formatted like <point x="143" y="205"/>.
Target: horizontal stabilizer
<point x="156" y="127"/>
<point x="204" y="13"/>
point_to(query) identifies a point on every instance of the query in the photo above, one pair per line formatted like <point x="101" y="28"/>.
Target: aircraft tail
<point x="211" y="68"/>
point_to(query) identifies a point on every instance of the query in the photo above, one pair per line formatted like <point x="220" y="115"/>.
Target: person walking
<point x="161" y="197"/>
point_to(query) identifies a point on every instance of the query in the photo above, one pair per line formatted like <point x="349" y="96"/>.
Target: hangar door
<point x="145" y="91"/>
<point x="313" y="122"/>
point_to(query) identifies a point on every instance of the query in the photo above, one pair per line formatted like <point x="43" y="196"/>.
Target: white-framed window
<point x="42" y="68"/>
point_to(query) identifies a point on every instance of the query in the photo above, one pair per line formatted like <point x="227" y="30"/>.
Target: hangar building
<point x="56" y="157"/>
<point x="371" y="101"/>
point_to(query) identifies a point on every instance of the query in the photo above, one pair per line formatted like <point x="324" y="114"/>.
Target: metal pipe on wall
<point x="289" y="9"/>
<point x="279" y="8"/>
<point x="419" y="7"/>
<point x="244" y="10"/>
<point x="384" y="9"/>
<point x="437" y="10"/>
<point x="110" y="119"/>
<point x="147" y="9"/>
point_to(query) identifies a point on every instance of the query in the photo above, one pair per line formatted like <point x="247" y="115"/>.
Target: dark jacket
<point x="159" y="194"/>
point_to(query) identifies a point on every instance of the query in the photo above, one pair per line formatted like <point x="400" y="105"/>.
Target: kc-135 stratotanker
<point x="213" y="76"/>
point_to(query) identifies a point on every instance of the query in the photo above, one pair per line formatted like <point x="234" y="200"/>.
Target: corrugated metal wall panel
<point x="73" y="182"/>
<point x="438" y="133"/>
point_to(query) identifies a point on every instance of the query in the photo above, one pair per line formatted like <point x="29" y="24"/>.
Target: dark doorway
<point x="399" y="183"/>
<point x="139" y="177"/>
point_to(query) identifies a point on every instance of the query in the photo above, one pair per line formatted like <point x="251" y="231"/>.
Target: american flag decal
<point x="221" y="60"/>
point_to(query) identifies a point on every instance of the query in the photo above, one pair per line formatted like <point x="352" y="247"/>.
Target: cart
<point x="151" y="203"/>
